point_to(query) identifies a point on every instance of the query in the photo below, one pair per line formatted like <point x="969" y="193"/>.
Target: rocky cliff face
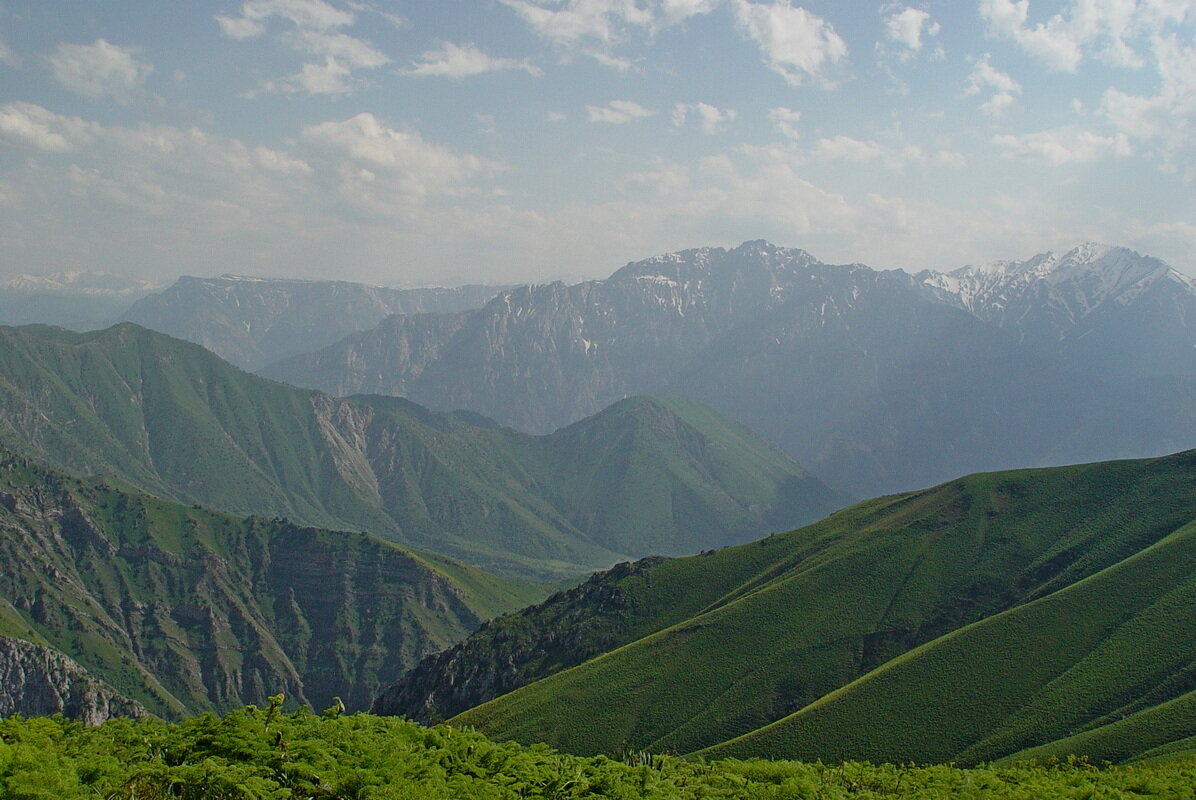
<point x="255" y="321"/>
<point x="39" y="681"/>
<point x="877" y="381"/>
<point x="188" y="610"/>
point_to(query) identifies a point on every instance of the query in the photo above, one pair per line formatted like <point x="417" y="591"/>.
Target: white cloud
<point x="280" y="162"/>
<point x="394" y="19"/>
<point x="176" y="182"/>
<point x="30" y="126"/>
<point x="674" y="11"/>
<point x="487" y="124"/>
<point x="464" y="60"/>
<point x="1168" y="117"/>
<point x="618" y="112"/>
<point x="796" y="44"/>
<point x="1114" y="31"/>
<point x="984" y="77"/>
<point x="847" y="149"/>
<point x="1051" y="41"/>
<point x="353" y="52"/>
<point x="785" y="120"/>
<point x="330" y="77"/>
<point x="568" y="22"/>
<point x="1062" y="146"/>
<point x="860" y="151"/>
<point x="107" y="196"/>
<point x="712" y="119"/>
<point x="240" y="27"/>
<point x="8" y="55"/>
<point x="99" y="70"/>
<point x="950" y="158"/>
<point x="905" y="25"/>
<point x="612" y="61"/>
<point x="383" y="169"/>
<point x="313" y="29"/>
<point x="303" y="14"/>
<point x="595" y="28"/>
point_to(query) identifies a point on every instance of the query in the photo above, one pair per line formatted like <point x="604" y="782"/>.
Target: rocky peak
<point x="38" y="681"/>
<point x="1069" y="285"/>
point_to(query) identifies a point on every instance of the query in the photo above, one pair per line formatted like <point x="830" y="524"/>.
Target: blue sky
<point x="443" y="141"/>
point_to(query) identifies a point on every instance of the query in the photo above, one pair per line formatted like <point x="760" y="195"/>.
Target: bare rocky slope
<point x="39" y="681"/>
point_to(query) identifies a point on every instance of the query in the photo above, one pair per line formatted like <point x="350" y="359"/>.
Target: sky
<point x="438" y="142"/>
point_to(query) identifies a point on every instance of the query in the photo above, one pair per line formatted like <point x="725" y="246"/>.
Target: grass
<point x="966" y="622"/>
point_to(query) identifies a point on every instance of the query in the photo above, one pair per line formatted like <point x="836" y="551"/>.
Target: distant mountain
<point x="1115" y="311"/>
<point x="255" y="321"/>
<point x="644" y="476"/>
<point x="106" y="590"/>
<point x="1042" y="612"/>
<point x="76" y="300"/>
<point x="879" y="381"/>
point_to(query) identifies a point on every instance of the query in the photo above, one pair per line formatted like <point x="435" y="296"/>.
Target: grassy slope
<point x="187" y="610"/>
<point x="1113" y="643"/>
<point x="174" y="420"/>
<point x="669" y="464"/>
<point x="848" y="595"/>
<point x="609" y="610"/>
<point x="1169" y="727"/>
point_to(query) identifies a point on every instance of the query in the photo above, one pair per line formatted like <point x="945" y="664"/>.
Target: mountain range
<point x="1030" y="613"/>
<point x="79" y="300"/>
<point x="877" y="381"/>
<point x="180" y="536"/>
<point x="253" y="322"/>
<point x="645" y="476"/>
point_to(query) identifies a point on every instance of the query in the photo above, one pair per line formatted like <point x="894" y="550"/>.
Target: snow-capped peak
<point x="1053" y="290"/>
<point x="1098" y="272"/>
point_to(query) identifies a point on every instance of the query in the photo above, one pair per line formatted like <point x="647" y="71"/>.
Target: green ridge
<point x="969" y="621"/>
<point x="172" y="419"/>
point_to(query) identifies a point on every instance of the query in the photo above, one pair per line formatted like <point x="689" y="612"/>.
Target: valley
<point x="640" y="574"/>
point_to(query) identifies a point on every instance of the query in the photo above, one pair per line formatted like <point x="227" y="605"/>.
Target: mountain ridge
<point x="252" y="321"/>
<point x="173" y="419"/>
<point x="820" y="628"/>
<point x="879" y="381"/>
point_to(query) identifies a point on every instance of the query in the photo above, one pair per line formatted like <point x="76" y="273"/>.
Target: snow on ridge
<point x="81" y="282"/>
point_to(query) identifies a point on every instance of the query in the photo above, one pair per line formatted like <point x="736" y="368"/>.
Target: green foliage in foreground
<point x="260" y="753"/>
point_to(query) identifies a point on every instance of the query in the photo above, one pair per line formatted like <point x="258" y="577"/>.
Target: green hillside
<point x="189" y="610"/>
<point x="261" y="753"/>
<point x="174" y="420"/>
<point x="966" y="622"/>
<point x="1120" y="642"/>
